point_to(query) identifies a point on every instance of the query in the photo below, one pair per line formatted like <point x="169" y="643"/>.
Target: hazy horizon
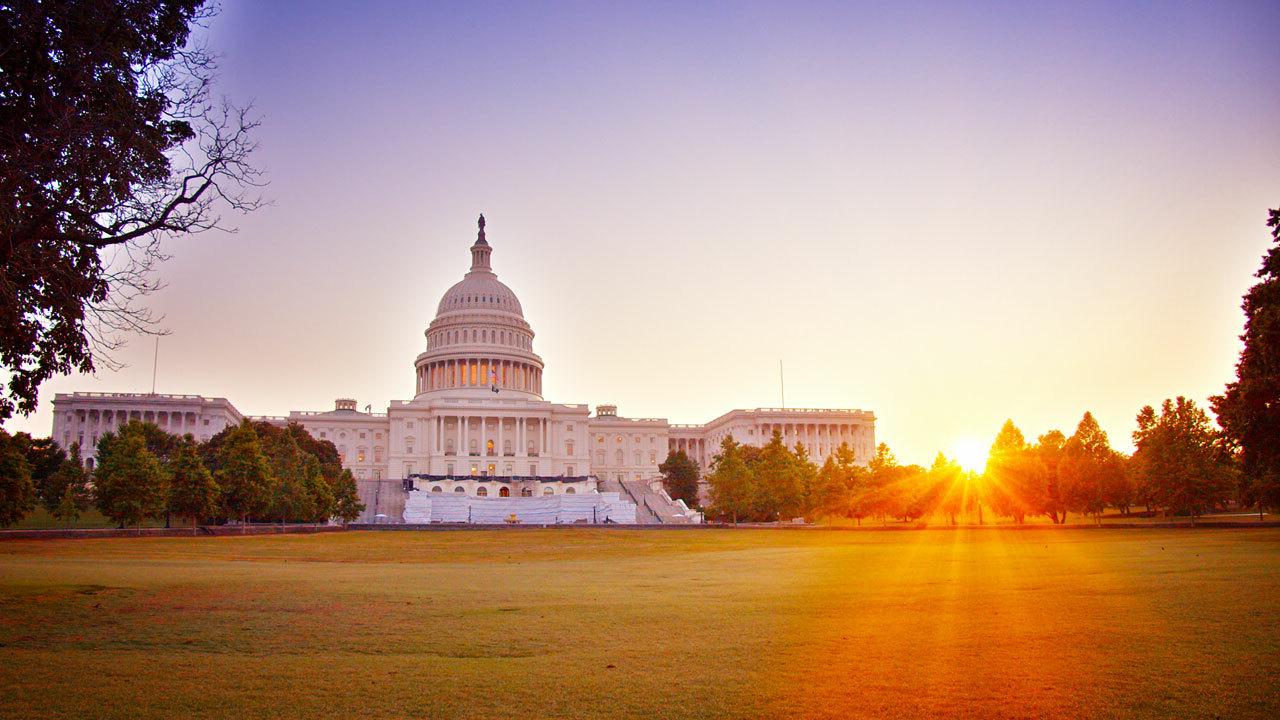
<point x="949" y="216"/>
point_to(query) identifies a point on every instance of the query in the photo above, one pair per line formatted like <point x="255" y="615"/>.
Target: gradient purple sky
<point x="949" y="215"/>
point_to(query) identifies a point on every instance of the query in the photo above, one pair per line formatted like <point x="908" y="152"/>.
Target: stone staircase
<point x="655" y="506"/>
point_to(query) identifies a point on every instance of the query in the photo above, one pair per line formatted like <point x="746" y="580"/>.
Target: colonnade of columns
<point x="456" y="435"/>
<point x="820" y="439"/>
<point x="695" y="448"/>
<point x="480" y="372"/>
<point x="86" y="425"/>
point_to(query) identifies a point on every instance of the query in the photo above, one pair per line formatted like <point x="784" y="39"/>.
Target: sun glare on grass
<point x="971" y="454"/>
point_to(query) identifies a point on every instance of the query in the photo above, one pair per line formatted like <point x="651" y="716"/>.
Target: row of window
<point x="620" y="458"/>
<point x="653" y="439"/>
<point x="504" y="491"/>
<point x="480" y="335"/>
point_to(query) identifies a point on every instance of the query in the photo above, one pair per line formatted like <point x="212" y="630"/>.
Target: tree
<point x="322" y="502"/>
<point x="130" y="483"/>
<point x="192" y="491"/>
<point x="947" y="489"/>
<point x="346" y="498"/>
<point x="731" y="484"/>
<point x="1091" y="472"/>
<point x="1249" y="409"/>
<point x="806" y="478"/>
<point x="68" y="509"/>
<point x="243" y="474"/>
<point x="778" y="494"/>
<point x="289" y="496"/>
<point x="855" y="478"/>
<point x="70" y="486"/>
<point x="829" y="494"/>
<point x="879" y="497"/>
<point x="1014" y="476"/>
<point x="1049" y="450"/>
<point x="44" y="458"/>
<point x="110" y="141"/>
<point x="1180" y="459"/>
<point x="680" y="477"/>
<point x="17" y="491"/>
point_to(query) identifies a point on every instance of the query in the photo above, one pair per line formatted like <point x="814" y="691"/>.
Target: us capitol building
<point x="478" y="427"/>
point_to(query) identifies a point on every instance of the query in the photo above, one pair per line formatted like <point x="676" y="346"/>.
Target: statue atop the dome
<point x="480" y="236"/>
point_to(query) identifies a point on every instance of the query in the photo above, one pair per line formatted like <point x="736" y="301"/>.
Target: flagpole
<point x="155" y="360"/>
<point x="782" y="384"/>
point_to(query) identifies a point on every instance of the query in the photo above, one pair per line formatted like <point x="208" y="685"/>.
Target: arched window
<point x="482" y="492"/>
<point x="618" y="455"/>
<point x="488" y="447"/>
<point x="526" y="492"/>
<point x="569" y="491"/>
<point x="460" y="489"/>
<point x="437" y="488"/>
<point x="504" y="492"/>
<point x="548" y="490"/>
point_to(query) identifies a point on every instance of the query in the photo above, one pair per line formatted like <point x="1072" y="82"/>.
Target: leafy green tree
<point x="1179" y="457"/>
<point x="17" y="491"/>
<point x="130" y="482"/>
<point x="1049" y="450"/>
<point x="68" y="509"/>
<point x="243" y="474"/>
<point x="346" y="498"/>
<point x="321" y="504"/>
<point x="947" y="488"/>
<point x="731" y="484"/>
<point x="778" y="493"/>
<point x="829" y="494"/>
<point x="847" y="501"/>
<point x="880" y="496"/>
<point x="680" y="477"/>
<point x="70" y="482"/>
<point x="110" y="138"/>
<point x="1090" y="470"/>
<point x="289" y="496"/>
<point x="193" y="493"/>
<point x="806" y="477"/>
<point x="1249" y="410"/>
<point x="1014" y="476"/>
<point x="44" y="458"/>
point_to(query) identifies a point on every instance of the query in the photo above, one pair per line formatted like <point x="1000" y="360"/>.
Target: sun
<point x="970" y="453"/>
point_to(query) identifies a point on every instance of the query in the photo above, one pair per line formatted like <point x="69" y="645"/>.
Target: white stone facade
<point x="83" y="417"/>
<point x="477" y="424"/>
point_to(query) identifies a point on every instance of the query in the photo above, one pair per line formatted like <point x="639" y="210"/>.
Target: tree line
<point x="1181" y="465"/>
<point x="251" y="471"/>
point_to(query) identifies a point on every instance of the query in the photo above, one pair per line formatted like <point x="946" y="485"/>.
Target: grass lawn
<point x="599" y="623"/>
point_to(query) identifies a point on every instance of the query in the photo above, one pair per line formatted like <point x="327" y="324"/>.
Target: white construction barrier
<point x="427" y="507"/>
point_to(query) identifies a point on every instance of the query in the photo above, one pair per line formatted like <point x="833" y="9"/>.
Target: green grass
<point x="598" y="624"/>
<point x="40" y="519"/>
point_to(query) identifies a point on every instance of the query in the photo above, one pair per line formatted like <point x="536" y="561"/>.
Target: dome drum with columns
<point x="479" y="339"/>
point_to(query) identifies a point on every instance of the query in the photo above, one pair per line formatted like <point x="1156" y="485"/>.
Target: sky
<point x="950" y="214"/>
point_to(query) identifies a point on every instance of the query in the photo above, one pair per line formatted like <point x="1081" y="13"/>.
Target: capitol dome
<point x="479" y="341"/>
